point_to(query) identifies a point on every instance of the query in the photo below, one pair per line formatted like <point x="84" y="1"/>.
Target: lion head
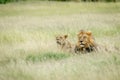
<point x="85" y="41"/>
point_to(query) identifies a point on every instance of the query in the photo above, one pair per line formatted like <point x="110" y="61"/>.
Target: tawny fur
<point x="63" y="43"/>
<point x="85" y="43"/>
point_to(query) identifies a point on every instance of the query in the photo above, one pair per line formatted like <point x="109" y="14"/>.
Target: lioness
<point x="86" y="42"/>
<point x="63" y="43"/>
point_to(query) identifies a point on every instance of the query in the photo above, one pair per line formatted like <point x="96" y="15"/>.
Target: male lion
<point x="86" y="42"/>
<point x="63" y="43"/>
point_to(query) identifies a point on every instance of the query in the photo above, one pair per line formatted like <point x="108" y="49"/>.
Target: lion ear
<point x="65" y="36"/>
<point x="89" y="33"/>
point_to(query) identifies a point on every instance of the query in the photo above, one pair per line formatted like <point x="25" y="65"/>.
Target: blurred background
<point x="28" y="49"/>
<point x="6" y="1"/>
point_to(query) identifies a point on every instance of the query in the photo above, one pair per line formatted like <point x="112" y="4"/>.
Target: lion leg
<point x="77" y="49"/>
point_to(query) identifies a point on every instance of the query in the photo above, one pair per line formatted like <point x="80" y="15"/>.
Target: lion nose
<point x="81" y="41"/>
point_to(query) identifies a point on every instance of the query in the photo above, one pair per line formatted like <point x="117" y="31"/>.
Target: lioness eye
<point x="60" y="37"/>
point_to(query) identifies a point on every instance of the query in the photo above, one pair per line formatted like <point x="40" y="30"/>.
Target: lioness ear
<point x="65" y="36"/>
<point x="89" y="33"/>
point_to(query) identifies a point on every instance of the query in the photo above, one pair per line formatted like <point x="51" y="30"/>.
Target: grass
<point x="28" y="49"/>
<point x="46" y="57"/>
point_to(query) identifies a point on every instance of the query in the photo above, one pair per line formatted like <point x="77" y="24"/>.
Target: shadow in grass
<point x="46" y="57"/>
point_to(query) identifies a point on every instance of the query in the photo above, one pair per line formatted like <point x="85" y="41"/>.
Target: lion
<point x="63" y="43"/>
<point x="86" y="42"/>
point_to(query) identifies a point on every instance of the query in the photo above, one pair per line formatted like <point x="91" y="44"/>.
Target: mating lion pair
<point x="85" y="43"/>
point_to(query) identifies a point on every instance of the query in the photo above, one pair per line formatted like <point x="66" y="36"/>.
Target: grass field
<point x="27" y="41"/>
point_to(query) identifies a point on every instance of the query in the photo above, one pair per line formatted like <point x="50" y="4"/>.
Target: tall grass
<point x="28" y="49"/>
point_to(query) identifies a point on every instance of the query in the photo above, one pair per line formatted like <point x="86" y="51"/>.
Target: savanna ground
<point x="27" y="41"/>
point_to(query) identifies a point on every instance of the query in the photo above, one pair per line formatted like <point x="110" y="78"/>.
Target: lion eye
<point x="84" y="37"/>
<point x="80" y="36"/>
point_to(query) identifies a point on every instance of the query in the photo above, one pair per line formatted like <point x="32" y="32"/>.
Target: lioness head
<point x="61" y="39"/>
<point x="63" y="43"/>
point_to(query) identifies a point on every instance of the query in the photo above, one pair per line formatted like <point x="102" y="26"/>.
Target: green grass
<point x="28" y="49"/>
<point x="46" y="57"/>
<point x="55" y="8"/>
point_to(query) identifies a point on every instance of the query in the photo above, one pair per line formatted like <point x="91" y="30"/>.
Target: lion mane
<point x="86" y="42"/>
